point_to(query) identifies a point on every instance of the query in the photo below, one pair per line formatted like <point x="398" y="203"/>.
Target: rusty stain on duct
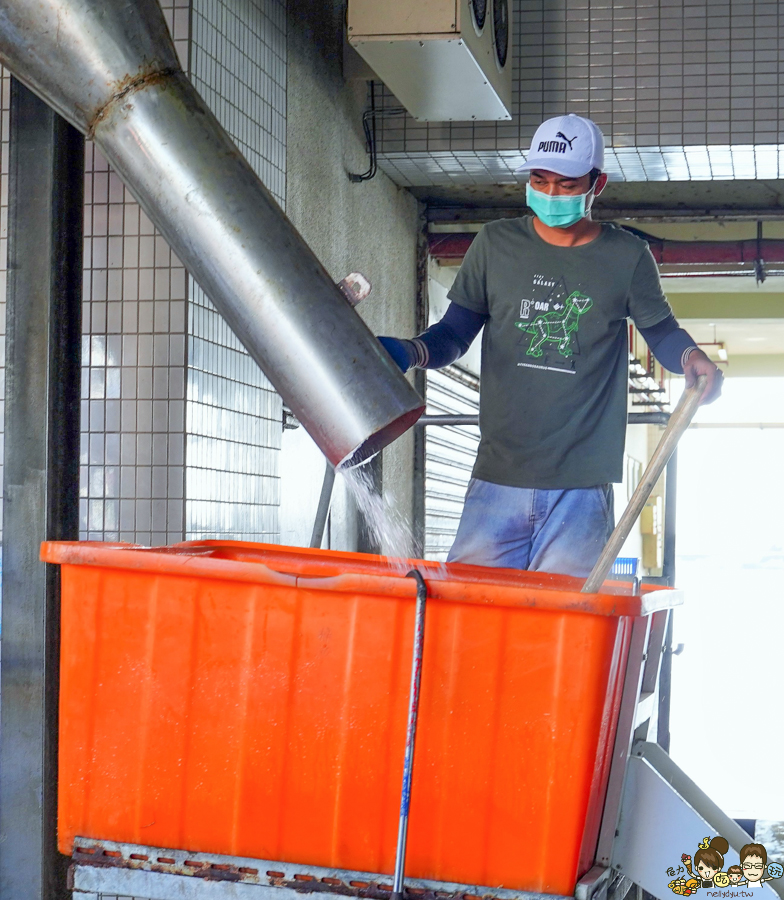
<point x="129" y="85"/>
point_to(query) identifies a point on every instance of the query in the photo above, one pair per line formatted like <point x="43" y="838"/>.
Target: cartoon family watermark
<point x="706" y="870"/>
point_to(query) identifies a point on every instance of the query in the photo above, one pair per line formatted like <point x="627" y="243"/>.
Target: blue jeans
<point x="526" y="528"/>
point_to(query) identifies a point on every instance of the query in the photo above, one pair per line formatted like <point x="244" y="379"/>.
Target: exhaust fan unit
<point x="443" y="59"/>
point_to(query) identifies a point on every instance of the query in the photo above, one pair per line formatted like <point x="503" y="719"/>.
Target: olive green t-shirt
<point x="553" y="399"/>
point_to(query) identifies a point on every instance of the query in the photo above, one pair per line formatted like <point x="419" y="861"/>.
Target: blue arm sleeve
<point x="668" y="343"/>
<point x="448" y="339"/>
<point x="441" y="344"/>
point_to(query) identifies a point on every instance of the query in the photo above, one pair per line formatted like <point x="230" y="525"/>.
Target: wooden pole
<point x="679" y="422"/>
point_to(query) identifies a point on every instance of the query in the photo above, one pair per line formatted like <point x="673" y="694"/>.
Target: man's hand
<point x="698" y="364"/>
<point x="399" y="351"/>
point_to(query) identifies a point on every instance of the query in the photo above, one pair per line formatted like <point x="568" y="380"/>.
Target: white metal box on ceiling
<point x="443" y="59"/>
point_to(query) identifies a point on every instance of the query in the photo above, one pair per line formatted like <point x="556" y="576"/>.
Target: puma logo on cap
<point x="552" y="147"/>
<point x="556" y="146"/>
<point x="562" y="135"/>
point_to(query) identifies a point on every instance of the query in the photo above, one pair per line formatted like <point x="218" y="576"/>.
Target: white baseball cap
<point x="569" y="145"/>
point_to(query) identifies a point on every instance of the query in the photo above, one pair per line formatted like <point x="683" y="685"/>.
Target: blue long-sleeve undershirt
<point x="449" y="338"/>
<point x="668" y="343"/>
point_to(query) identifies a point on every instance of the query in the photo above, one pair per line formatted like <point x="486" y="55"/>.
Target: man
<point x="553" y="293"/>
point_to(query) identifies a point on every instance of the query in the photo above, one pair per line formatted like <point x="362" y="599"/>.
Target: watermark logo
<point x="706" y="870"/>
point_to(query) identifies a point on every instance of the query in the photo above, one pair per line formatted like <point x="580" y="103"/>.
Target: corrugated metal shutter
<point x="450" y="452"/>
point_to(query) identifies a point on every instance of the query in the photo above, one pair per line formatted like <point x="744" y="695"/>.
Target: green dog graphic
<point x="557" y="326"/>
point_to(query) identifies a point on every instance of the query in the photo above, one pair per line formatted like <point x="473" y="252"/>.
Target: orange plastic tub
<point x="251" y="700"/>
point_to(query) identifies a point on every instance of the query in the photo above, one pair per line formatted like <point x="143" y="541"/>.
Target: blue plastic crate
<point x="625" y="565"/>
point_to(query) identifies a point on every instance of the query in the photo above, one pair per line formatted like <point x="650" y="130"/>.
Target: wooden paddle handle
<point x="679" y="422"/>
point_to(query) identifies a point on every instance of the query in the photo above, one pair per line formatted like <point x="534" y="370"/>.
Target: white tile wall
<point x="238" y="64"/>
<point x="234" y="417"/>
<point x="133" y="359"/>
<point x="133" y="370"/>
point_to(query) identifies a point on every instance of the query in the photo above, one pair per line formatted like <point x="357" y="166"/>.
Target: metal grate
<point x="233" y="435"/>
<point x="682" y="90"/>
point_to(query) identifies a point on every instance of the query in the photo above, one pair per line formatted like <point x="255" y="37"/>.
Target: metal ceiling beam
<point x="652" y="201"/>
<point x="469" y="215"/>
<point x="41" y="479"/>
<point x="452" y="247"/>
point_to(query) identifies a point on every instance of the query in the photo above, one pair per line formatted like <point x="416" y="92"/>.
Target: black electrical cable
<point x="369" y="127"/>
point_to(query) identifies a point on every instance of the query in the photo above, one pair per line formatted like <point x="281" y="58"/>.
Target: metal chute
<point x="109" y="67"/>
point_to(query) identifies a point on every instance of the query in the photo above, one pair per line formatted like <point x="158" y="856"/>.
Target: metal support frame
<point x="662" y="735"/>
<point x="440" y="213"/>
<point x="654" y="418"/>
<point x="420" y="473"/>
<point x="670" y="500"/>
<point x="627" y="723"/>
<point x="108" y="867"/>
<point x="662" y="815"/>
<point x="418" y="512"/>
<point x="665" y="690"/>
<point x="325" y="499"/>
<point x="41" y="478"/>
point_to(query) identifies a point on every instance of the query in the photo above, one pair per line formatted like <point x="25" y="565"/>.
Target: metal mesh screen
<point x="683" y="89"/>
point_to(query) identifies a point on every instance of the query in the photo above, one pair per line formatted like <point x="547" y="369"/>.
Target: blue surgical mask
<point x="559" y="211"/>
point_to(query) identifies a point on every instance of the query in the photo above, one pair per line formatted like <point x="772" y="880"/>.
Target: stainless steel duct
<point x="109" y="67"/>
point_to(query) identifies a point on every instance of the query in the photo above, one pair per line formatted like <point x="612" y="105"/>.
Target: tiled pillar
<point x="133" y="358"/>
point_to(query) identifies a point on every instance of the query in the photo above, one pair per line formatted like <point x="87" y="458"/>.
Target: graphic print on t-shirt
<point x="553" y="321"/>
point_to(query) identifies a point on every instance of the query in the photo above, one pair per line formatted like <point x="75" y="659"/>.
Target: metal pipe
<point x="665" y="688"/>
<point x="649" y="418"/>
<point x="110" y="68"/>
<point x="478" y="215"/>
<point x="670" y="519"/>
<point x="325" y="500"/>
<point x="413" y="711"/>
<point x="452" y="246"/>
<point x="424" y="421"/>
